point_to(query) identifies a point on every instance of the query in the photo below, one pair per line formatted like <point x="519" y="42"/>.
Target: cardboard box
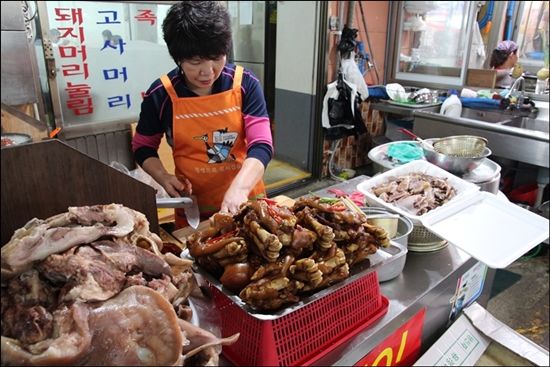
<point x="476" y="338"/>
<point x="481" y="78"/>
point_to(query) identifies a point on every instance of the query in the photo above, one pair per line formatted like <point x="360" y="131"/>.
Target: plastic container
<point x="526" y="194"/>
<point x="451" y="106"/>
<point x="305" y="334"/>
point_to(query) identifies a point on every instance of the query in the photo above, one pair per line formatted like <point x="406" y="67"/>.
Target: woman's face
<point x="514" y="56"/>
<point x="511" y="60"/>
<point x="201" y="74"/>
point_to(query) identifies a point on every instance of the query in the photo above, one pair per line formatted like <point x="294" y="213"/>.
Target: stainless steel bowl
<point x="455" y="165"/>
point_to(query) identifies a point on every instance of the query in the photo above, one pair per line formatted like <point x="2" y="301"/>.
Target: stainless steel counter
<point x="428" y="280"/>
<point x="401" y="110"/>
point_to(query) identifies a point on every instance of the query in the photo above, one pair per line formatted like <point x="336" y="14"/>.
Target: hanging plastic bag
<point x="141" y="175"/>
<point x="477" y="53"/>
<point x="341" y="112"/>
<point x="353" y="75"/>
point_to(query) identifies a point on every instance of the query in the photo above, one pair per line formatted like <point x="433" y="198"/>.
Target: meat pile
<point x="6" y="142"/>
<point x="93" y="287"/>
<point x="416" y="193"/>
<point x="272" y="254"/>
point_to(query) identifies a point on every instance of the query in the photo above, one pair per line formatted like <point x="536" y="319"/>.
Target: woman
<point x="503" y="58"/>
<point x="213" y="114"/>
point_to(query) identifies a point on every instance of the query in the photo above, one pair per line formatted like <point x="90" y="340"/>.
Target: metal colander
<point x="461" y="146"/>
<point x="423" y="240"/>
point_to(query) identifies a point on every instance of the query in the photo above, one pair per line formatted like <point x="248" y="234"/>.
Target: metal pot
<point x="404" y="224"/>
<point x="490" y="186"/>
<point x="456" y="165"/>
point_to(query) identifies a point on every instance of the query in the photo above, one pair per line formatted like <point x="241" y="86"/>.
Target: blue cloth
<point x="378" y="91"/>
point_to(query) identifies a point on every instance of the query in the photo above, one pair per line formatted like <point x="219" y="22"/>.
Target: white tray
<point x="490" y="229"/>
<point x="464" y="188"/>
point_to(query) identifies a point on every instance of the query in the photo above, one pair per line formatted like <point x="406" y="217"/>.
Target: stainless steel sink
<point x="519" y="138"/>
<point x="527" y="123"/>
<point x="491" y="116"/>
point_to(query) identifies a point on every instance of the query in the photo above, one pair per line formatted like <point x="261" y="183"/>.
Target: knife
<point x="182" y="202"/>
<point x="192" y="212"/>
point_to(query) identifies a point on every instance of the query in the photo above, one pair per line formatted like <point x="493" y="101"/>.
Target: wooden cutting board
<point x="183" y="233"/>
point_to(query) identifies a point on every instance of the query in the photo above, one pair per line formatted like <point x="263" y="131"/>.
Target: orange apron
<point x="209" y="145"/>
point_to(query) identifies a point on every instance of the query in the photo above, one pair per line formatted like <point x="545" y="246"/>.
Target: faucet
<point x="523" y="105"/>
<point x="521" y="81"/>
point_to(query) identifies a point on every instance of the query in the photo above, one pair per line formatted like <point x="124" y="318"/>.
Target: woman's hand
<point x="249" y="175"/>
<point x="173" y="185"/>
<point x="233" y="199"/>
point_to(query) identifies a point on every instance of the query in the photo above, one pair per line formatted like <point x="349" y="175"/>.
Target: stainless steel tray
<point x="390" y="269"/>
<point x="394" y="253"/>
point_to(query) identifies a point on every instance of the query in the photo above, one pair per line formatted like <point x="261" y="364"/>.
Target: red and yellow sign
<point x="399" y="349"/>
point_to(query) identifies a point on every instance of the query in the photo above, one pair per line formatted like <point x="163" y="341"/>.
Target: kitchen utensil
<point x="181" y="203"/>
<point x="421" y="96"/>
<point x="423" y="143"/>
<point x="192" y="212"/>
<point x="404" y="225"/>
<point x="387" y="221"/>
<point x="461" y="146"/>
<point x="398" y="253"/>
<point x="455" y="164"/>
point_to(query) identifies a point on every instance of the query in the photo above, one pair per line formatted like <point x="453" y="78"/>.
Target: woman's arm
<point x="251" y="172"/>
<point x="154" y="167"/>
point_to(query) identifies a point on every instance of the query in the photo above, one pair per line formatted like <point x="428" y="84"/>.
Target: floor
<point x="279" y="173"/>
<point x="519" y="297"/>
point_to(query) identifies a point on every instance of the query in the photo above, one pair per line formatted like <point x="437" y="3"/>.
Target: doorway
<point x="255" y="47"/>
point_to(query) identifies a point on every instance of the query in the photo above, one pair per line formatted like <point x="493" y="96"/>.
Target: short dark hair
<point x="107" y="33"/>
<point x="198" y="28"/>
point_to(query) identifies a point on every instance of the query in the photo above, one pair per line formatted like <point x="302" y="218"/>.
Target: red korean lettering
<point x="69" y="14"/>
<point x="146" y="15"/>
<point x="75" y="69"/>
<point x="79" y="99"/>
<point x="77" y="34"/>
<point x="69" y="52"/>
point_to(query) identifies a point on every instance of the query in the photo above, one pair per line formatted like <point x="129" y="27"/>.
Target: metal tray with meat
<point x="273" y="259"/>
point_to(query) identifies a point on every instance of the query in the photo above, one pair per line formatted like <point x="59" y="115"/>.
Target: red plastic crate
<point x="305" y="334"/>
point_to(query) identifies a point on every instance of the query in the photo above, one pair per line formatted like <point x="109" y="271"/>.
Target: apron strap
<point x="169" y="87"/>
<point x="237" y="80"/>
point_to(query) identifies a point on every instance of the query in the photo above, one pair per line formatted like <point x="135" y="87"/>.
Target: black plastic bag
<point x="344" y="116"/>
<point x="347" y="41"/>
